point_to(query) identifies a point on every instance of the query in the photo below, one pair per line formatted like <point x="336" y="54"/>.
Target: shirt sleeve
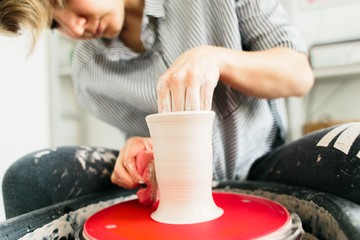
<point x="265" y="24"/>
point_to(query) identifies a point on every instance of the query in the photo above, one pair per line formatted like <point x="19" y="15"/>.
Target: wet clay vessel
<point x="182" y="144"/>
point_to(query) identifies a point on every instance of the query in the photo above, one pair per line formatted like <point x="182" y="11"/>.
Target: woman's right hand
<point x="125" y="173"/>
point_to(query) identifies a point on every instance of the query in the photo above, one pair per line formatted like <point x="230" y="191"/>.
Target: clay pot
<point x="182" y="143"/>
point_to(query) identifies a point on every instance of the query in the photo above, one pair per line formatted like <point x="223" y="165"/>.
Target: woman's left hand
<point x="190" y="82"/>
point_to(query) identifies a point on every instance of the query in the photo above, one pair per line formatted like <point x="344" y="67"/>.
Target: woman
<point x="184" y="53"/>
<point x="238" y="58"/>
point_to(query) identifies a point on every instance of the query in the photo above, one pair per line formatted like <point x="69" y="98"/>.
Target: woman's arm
<point x="273" y="73"/>
<point x="190" y="82"/>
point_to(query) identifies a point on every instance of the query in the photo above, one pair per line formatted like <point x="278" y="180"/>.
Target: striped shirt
<point x="119" y="85"/>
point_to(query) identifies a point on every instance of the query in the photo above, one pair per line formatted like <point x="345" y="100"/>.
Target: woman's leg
<point x="54" y="175"/>
<point x="327" y="160"/>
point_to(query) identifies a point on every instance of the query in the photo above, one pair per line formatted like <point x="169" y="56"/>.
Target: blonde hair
<point x="34" y="15"/>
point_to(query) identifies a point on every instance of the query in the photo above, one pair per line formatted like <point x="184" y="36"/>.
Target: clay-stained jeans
<point x="327" y="160"/>
<point x="55" y="175"/>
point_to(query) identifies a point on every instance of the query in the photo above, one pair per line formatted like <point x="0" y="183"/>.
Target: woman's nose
<point x="70" y="23"/>
<point x="76" y="26"/>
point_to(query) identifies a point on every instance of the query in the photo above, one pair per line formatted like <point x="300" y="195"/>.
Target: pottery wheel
<point x="245" y="217"/>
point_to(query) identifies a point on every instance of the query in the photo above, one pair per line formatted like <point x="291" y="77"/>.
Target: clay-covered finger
<point x="123" y="180"/>
<point x="206" y="93"/>
<point x="178" y="99"/>
<point x="192" y="99"/>
<point x="121" y="177"/>
<point x="164" y="95"/>
<point x="130" y="166"/>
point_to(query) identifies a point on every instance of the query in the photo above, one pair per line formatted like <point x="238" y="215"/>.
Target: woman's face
<point x="86" y="19"/>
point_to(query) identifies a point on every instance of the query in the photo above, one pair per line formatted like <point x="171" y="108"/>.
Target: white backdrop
<point x="24" y="101"/>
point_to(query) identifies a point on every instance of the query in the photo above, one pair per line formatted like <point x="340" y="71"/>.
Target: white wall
<point x="326" y="24"/>
<point x="338" y="21"/>
<point x="27" y="101"/>
<point x="24" y="104"/>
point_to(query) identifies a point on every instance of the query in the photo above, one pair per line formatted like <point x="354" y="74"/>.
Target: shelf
<point x="341" y="72"/>
<point x="336" y="60"/>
